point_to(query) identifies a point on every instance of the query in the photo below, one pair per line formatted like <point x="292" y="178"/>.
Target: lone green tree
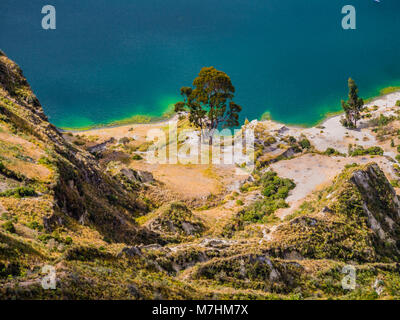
<point x="210" y="103"/>
<point x="353" y="106"/>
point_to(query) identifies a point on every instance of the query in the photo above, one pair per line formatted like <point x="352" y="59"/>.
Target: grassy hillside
<point x="63" y="206"/>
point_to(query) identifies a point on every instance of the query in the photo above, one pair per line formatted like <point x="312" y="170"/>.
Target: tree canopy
<point x="210" y="103"/>
<point x="353" y="106"/>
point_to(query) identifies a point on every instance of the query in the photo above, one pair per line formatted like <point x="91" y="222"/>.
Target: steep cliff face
<point x="370" y="202"/>
<point x="80" y="189"/>
<point x="381" y="206"/>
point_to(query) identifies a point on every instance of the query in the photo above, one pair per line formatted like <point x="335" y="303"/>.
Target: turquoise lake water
<point x="109" y="60"/>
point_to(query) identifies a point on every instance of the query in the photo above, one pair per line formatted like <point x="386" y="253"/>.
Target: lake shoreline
<point x="384" y="93"/>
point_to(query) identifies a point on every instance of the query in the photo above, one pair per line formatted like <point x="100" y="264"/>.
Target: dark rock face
<point x="380" y="201"/>
<point x="174" y="221"/>
<point x="145" y="176"/>
<point x="130" y="252"/>
<point x="101" y="146"/>
<point x="381" y="206"/>
<point x="138" y="176"/>
<point x="51" y="222"/>
<point x="217" y="243"/>
<point x="327" y="210"/>
<point x="134" y="291"/>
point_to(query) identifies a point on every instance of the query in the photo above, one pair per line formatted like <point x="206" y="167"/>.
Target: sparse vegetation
<point x="382" y="120"/>
<point x="333" y="152"/>
<point x="274" y="190"/>
<point x="137" y="157"/>
<point x="9" y="227"/>
<point x="360" y="151"/>
<point x="110" y="236"/>
<point x="20" y="192"/>
<point x="305" y="143"/>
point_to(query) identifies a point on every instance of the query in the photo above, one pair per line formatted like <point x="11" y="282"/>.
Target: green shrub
<point x="275" y="190"/>
<point x="113" y="199"/>
<point x="332" y="152"/>
<point x="305" y="143"/>
<point x="137" y="157"/>
<point x="381" y="121"/>
<point x="45" y="237"/>
<point x="68" y="240"/>
<point x="83" y="253"/>
<point x="360" y="151"/>
<point x="35" y="225"/>
<point x="292" y="140"/>
<point x="395" y="183"/>
<point x="270" y="140"/>
<point x="351" y="165"/>
<point x="19" y="192"/>
<point x="44" y="161"/>
<point x="274" y="186"/>
<point x="9" y="226"/>
<point x="398" y="103"/>
<point x="239" y="202"/>
<point x="346" y="123"/>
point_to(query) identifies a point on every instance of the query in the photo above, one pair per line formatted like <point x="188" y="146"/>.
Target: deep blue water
<point x="109" y="60"/>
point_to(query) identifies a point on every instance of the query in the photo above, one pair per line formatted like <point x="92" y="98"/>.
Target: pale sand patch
<point x="334" y="135"/>
<point x="137" y="131"/>
<point x="30" y="170"/>
<point x="192" y="181"/>
<point x="331" y="133"/>
<point x="386" y="101"/>
<point x="30" y="149"/>
<point x="215" y="218"/>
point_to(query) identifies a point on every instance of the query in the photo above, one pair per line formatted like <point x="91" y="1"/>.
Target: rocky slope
<point x="107" y="238"/>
